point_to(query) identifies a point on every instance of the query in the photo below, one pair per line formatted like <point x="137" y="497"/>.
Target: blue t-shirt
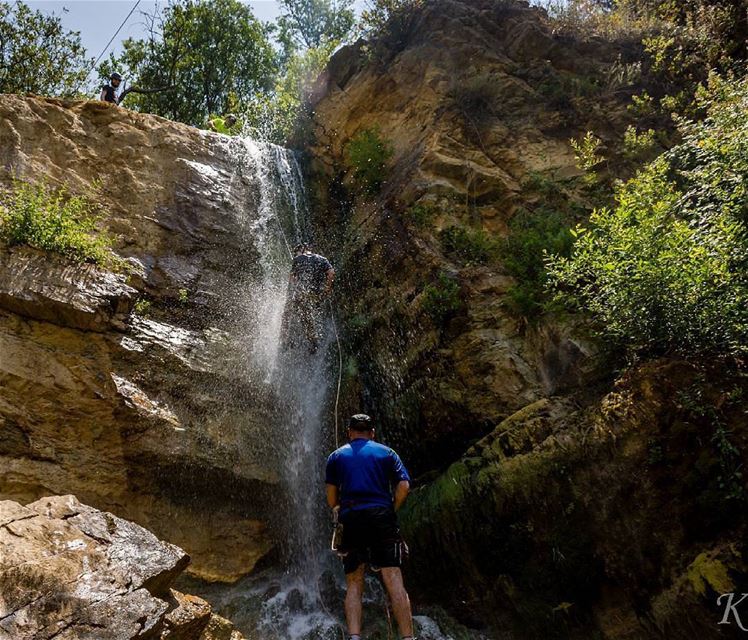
<point x="364" y="472"/>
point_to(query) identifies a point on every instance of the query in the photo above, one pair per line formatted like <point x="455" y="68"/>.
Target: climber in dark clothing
<point x="310" y="283"/>
<point x="366" y="484"/>
<point x="109" y="91"/>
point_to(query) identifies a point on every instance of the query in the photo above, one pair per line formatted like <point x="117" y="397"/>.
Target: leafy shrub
<point x="637" y="144"/>
<point x="587" y="152"/>
<point x="474" y="98"/>
<point x="367" y="156"/>
<point x="422" y="215"/>
<point x="666" y="270"/>
<point x="592" y="18"/>
<point x="389" y="21"/>
<point x="533" y="235"/>
<point x="284" y="113"/>
<point x="142" y="307"/>
<point x="473" y="246"/>
<point x="35" y="215"/>
<point x="441" y="300"/>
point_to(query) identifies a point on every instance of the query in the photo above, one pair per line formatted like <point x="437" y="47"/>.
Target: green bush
<point x="367" y="155"/>
<point x="473" y="246"/>
<point x="283" y="115"/>
<point x="666" y="269"/>
<point x="533" y="235"/>
<point x="441" y="300"/>
<point x="142" y="307"/>
<point x="422" y="215"/>
<point x="53" y="220"/>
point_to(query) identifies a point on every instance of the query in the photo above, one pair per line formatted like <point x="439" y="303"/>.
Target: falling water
<point x="298" y="382"/>
<point x="303" y="599"/>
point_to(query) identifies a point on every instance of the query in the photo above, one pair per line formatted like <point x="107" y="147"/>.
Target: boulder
<point x="70" y="571"/>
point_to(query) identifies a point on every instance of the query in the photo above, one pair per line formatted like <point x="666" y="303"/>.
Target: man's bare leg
<point x="353" y="596"/>
<point x="393" y="581"/>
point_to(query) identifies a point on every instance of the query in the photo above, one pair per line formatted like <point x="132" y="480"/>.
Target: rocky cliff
<point x="69" y="571"/>
<point x="557" y="497"/>
<point x="130" y="389"/>
<point x="478" y="101"/>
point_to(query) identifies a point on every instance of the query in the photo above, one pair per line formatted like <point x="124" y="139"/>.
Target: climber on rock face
<point x="310" y="283"/>
<point x="109" y="91"/>
<point x="360" y="477"/>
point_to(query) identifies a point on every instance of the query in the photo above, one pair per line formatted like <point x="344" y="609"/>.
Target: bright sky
<point x="97" y="20"/>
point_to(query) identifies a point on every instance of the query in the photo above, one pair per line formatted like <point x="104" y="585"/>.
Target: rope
<point x="135" y="6"/>
<point x="340" y="372"/>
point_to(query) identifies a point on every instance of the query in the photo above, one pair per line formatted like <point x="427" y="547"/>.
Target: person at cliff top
<point x="228" y="125"/>
<point x="310" y="283"/>
<point x="109" y="91"/>
<point x="360" y="478"/>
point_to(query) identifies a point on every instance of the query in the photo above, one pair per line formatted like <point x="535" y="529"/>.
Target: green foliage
<point x="183" y="296"/>
<point x="40" y="217"/>
<point x="283" y="114"/>
<point x="367" y="155"/>
<point x="441" y="300"/>
<point x="310" y="24"/>
<point x="422" y="215"/>
<point x="642" y="105"/>
<point x="533" y="235"/>
<point x="37" y="55"/>
<point x="381" y="15"/>
<point x="696" y="405"/>
<point x="142" y="307"/>
<point x="473" y="246"/>
<point x="587" y="152"/>
<point x="206" y="56"/>
<point x="666" y="270"/>
<point x="637" y="145"/>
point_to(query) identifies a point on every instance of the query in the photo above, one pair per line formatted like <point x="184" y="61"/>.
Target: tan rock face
<point x="70" y="571"/>
<point x="149" y="416"/>
<point x="475" y="98"/>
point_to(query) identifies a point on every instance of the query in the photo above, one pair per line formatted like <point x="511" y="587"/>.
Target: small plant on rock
<point x="473" y="246"/>
<point x="142" y="307"/>
<point x="367" y="155"/>
<point x="441" y="300"/>
<point x="53" y="220"/>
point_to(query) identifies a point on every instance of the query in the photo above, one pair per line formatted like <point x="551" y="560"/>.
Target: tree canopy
<point x="205" y="56"/>
<point x="37" y="55"/>
<point x="308" y="24"/>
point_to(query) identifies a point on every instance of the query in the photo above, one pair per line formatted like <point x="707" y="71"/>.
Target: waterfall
<point x="284" y="604"/>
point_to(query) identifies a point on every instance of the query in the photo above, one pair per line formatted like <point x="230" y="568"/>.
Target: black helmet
<point x="301" y="248"/>
<point x="360" y="422"/>
<point x="115" y="76"/>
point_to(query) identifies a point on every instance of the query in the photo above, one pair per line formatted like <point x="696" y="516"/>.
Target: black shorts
<point x="371" y="536"/>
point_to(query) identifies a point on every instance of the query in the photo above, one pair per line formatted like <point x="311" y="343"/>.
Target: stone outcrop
<point x="71" y="572"/>
<point x="620" y="519"/>
<point x="478" y="101"/>
<point x="130" y="389"/>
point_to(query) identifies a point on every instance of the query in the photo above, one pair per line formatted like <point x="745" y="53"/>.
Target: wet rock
<point x="220" y="629"/>
<point x="188" y="618"/>
<point x="141" y="410"/>
<point x="70" y="571"/>
<point x="82" y="296"/>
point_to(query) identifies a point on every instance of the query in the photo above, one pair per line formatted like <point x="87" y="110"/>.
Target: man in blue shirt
<point x="368" y="482"/>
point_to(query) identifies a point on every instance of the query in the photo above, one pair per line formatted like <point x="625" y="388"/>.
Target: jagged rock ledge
<point x="69" y="571"/>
